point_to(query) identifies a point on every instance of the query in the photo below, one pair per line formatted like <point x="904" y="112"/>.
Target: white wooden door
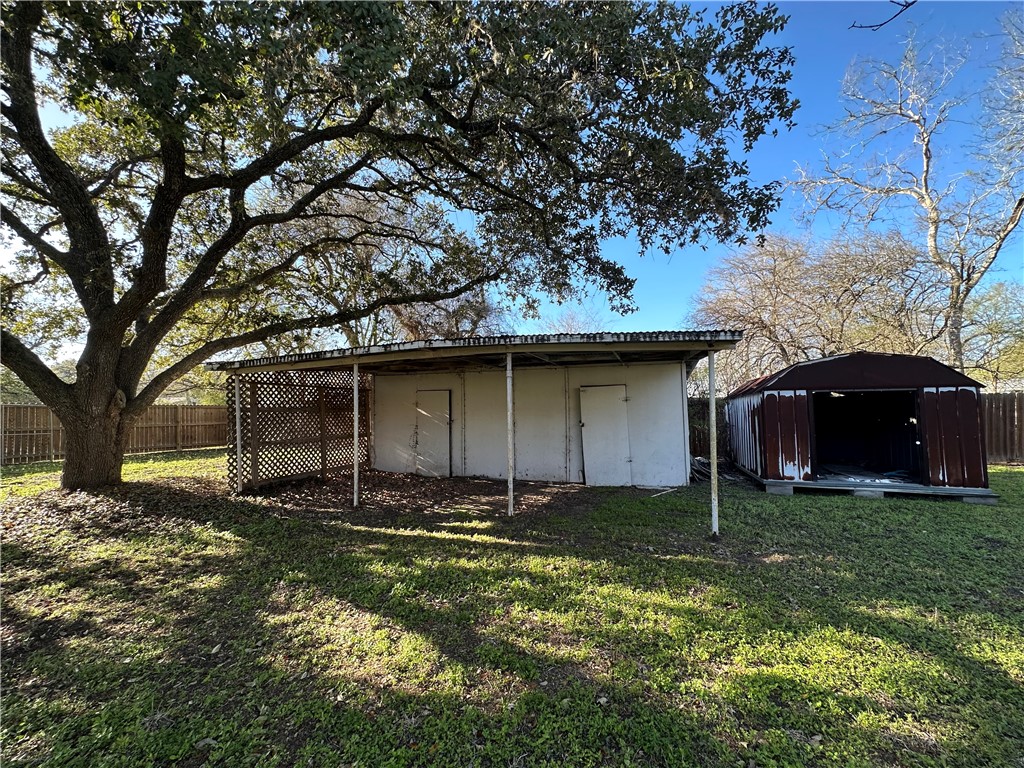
<point x="433" y="433"/>
<point x="605" y="435"/>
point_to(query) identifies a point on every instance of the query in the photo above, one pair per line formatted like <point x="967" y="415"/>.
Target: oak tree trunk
<point x="93" y="451"/>
<point x="96" y="422"/>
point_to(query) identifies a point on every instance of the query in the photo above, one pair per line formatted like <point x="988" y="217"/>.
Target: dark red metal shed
<point x="868" y="422"/>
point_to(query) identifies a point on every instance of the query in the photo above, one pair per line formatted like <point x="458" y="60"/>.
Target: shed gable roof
<point x="860" y="370"/>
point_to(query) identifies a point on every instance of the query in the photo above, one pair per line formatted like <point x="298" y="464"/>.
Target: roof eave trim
<point x="714" y="340"/>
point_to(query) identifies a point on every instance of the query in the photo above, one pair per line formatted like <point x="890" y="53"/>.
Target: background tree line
<point x="927" y="206"/>
<point x="800" y="299"/>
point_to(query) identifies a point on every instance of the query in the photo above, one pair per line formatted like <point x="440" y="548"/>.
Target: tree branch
<point x="275" y="158"/>
<point x="904" y="5"/>
<point x="28" y="367"/>
<point x="13" y="172"/>
<point x="191" y="289"/>
<point x="166" y="377"/>
<point x="34" y="240"/>
<point x="91" y="271"/>
<point x="155" y="236"/>
<point x="111" y="175"/>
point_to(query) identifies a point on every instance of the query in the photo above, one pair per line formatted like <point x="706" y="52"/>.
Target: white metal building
<point x="601" y="409"/>
<point x="599" y="425"/>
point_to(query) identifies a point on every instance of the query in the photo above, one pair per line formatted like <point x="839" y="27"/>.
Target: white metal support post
<point x="713" y="429"/>
<point x="510" y="426"/>
<point x="238" y="435"/>
<point x="355" y="434"/>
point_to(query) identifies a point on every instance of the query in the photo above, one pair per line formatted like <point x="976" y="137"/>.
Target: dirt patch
<point x="383" y="495"/>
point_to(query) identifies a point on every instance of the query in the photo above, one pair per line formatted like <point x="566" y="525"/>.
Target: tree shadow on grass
<point x="391" y="675"/>
<point x="262" y="629"/>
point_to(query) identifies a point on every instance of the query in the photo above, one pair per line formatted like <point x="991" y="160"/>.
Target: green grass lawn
<point x="31" y="479"/>
<point x="168" y="623"/>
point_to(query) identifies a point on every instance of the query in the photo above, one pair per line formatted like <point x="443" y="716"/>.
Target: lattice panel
<point x="294" y="424"/>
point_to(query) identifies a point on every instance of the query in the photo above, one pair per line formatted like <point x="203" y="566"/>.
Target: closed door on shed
<point x="433" y="433"/>
<point x="605" y="427"/>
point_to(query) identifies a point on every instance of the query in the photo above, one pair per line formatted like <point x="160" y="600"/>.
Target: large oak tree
<point x="214" y="147"/>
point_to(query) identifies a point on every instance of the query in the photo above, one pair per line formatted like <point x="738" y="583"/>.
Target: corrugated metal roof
<point x="480" y="345"/>
<point x="860" y="370"/>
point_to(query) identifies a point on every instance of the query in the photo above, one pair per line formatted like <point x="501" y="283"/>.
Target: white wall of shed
<point x="659" y="443"/>
<point x="548" y="438"/>
<point x="485" y="439"/>
<point x="540" y="413"/>
<point x="394" y="420"/>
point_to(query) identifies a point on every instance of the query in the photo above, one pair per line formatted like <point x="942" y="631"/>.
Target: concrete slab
<point x="867" y="493"/>
<point x="980" y="499"/>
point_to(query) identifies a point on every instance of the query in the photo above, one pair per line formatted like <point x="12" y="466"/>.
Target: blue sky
<point x="824" y="47"/>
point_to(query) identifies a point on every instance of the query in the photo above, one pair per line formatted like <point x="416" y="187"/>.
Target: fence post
<point x="355" y="434"/>
<point x="238" y="433"/>
<point x="1018" y="406"/>
<point x="177" y="427"/>
<point x="51" y="433"/>
<point x="713" y="440"/>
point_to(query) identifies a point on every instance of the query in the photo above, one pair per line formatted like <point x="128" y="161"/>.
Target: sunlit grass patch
<point x="31" y="479"/>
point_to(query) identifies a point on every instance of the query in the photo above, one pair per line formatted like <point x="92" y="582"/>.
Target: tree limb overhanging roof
<point x="478" y="352"/>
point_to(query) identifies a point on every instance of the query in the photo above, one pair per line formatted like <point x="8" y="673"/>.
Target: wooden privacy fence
<point x="32" y="433"/>
<point x="1003" y="414"/>
<point x="700" y="442"/>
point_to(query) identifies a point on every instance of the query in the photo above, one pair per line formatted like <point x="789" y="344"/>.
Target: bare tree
<point x="472" y="314"/>
<point x="753" y="290"/>
<point x="876" y="292"/>
<point x="799" y="301"/>
<point x="1004" y="101"/>
<point x="896" y="115"/>
<point x="994" y="336"/>
<point x="578" y="317"/>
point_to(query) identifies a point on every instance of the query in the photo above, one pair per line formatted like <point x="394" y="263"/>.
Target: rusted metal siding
<point x="773" y="433"/>
<point x="743" y="416"/>
<point x="955" y="444"/>
<point x="787" y="434"/>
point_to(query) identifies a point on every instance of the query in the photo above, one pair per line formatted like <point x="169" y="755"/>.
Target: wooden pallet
<point x="879" y="490"/>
